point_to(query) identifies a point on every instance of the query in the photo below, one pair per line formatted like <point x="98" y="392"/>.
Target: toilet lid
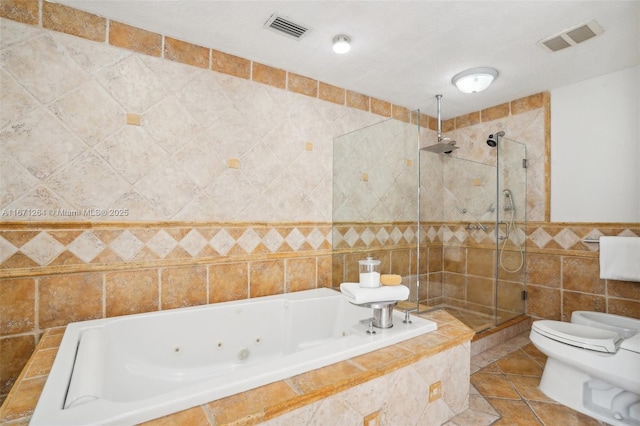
<point x="582" y="336"/>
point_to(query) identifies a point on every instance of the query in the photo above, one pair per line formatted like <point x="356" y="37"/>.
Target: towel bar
<point x="591" y="240"/>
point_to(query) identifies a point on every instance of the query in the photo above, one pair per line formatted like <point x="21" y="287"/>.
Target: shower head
<point x="492" y="140"/>
<point x="441" y="147"/>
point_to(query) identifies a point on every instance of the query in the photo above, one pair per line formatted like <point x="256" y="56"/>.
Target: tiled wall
<point x="134" y="183"/>
<point x="254" y="215"/>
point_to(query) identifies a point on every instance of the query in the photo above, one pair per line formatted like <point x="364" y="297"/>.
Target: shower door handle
<point x="507" y="229"/>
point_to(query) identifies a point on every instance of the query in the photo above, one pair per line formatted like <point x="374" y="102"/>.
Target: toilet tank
<point x="624" y="326"/>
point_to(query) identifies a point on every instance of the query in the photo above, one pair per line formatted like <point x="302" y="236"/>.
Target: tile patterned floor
<point x="504" y="390"/>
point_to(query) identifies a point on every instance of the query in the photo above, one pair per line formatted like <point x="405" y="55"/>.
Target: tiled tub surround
<point x="424" y="380"/>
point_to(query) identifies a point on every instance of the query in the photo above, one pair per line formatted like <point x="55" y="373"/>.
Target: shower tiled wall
<point x="140" y="172"/>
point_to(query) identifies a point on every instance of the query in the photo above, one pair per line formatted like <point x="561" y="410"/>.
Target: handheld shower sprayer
<point x="509" y="206"/>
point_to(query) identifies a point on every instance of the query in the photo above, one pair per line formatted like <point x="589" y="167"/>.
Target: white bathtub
<point x="130" y="369"/>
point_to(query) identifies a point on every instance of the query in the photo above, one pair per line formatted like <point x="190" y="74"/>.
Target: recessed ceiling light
<point x="341" y="44"/>
<point x="474" y="80"/>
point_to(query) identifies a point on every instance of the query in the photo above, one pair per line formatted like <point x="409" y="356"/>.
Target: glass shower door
<point x="511" y="223"/>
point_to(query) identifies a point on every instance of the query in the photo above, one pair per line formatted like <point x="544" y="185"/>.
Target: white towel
<point x="620" y="258"/>
<point x="359" y="295"/>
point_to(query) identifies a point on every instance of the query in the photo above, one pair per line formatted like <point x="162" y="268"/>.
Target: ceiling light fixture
<point x="474" y="80"/>
<point x="341" y="44"/>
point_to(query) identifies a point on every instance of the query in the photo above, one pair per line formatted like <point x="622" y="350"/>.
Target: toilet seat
<point x="582" y="336"/>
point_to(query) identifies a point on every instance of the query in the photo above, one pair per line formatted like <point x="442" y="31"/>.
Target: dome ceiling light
<point x="474" y="80"/>
<point x="341" y="44"/>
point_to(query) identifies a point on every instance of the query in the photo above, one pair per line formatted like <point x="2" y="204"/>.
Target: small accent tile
<point x="162" y="244"/>
<point x="42" y="249"/>
<point x="126" y="245"/>
<point x="249" y="240"/>
<point x="193" y="242"/>
<point x="222" y="242"/>
<point x="87" y="246"/>
<point x="6" y="250"/>
<point x="295" y="239"/>
<point x="273" y="240"/>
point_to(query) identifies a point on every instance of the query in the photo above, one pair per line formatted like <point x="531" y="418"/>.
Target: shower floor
<point x="474" y="320"/>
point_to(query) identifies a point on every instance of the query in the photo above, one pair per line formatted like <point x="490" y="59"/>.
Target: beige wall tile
<point x="582" y="274"/>
<point x="300" y="274"/>
<point x="269" y="75"/>
<point x="572" y="301"/>
<point x="131" y="292"/>
<point x="186" y="53"/>
<point x="480" y="262"/>
<point x="14" y="353"/>
<point x="510" y="296"/>
<point x="435" y="286"/>
<point x="331" y="93"/>
<point x="69" y="298"/>
<point x="228" y="281"/>
<point x="381" y="107"/>
<point x="230" y="64"/>
<point x="324" y="271"/>
<point x="494" y="113"/>
<point x="454" y="285"/>
<point x="25" y="11"/>
<point x="17" y="305"/>
<point x="400" y="263"/>
<point x="624" y="307"/>
<point x="400" y="113"/>
<point x="303" y="85"/>
<point x="468" y="119"/>
<point x="543" y="269"/>
<point x="447" y="125"/>
<point x="527" y="104"/>
<point x="266" y="278"/>
<point x="357" y="100"/>
<point x="623" y="289"/>
<point x="480" y="290"/>
<point x="73" y="21"/>
<point x="455" y="259"/>
<point x="136" y="39"/>
<point x="185" y="286"/>
<point x="544" y="302"/>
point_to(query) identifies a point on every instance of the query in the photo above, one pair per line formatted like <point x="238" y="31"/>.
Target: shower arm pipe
<point x="438" y="99"/>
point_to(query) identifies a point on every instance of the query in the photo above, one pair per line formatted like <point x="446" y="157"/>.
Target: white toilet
<point x="593" y="364"/>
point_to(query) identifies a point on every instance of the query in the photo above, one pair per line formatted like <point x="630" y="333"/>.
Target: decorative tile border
<point x="42" y="246"/>
<point x="100" y="245"/>
<point x="538" y="236"/>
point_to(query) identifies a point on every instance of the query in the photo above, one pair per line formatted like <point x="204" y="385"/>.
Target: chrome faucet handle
<point x="371" y="330"/>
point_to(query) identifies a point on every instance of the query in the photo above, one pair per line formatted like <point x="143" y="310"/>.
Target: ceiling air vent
<point x="571" y="37"/>
<point x="286" y="26"/>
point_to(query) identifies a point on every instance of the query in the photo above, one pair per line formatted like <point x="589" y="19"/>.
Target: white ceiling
<point x="404" y="52"/>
